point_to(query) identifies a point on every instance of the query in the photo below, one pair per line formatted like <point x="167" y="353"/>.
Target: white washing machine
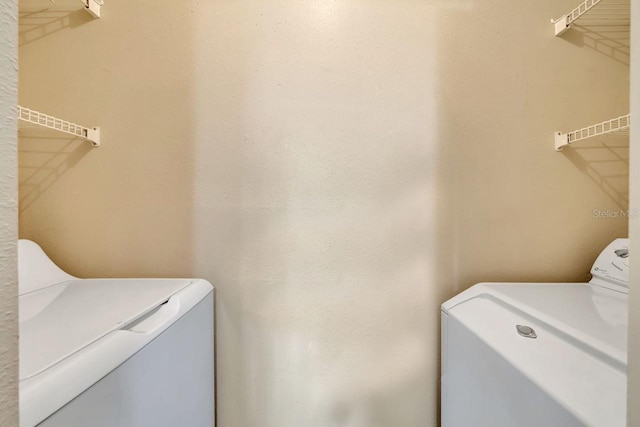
<point x="113" y="352"/>
<point x="539" y="354"/>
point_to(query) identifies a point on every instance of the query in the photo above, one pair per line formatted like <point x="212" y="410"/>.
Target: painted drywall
<point x="8" y="215"/>
<point x="337" y="169"/>
<point x="634" y="225"/>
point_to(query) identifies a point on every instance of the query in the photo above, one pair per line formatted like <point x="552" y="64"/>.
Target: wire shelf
<point x="31" y="116"/>
<point x="618" y="125"/>
<point x="596" y="12"/>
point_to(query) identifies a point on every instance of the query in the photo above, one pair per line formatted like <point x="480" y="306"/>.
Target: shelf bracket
<point x="617" y="124"/>
<point x="560" y="24"/>
<point x="563" y="23"/>
<point x="93" y="7"/>
<point x="31" y="116"/>
<point x="562" y="140"/>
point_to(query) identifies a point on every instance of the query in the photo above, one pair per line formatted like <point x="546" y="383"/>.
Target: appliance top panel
<point x="59" y="320"/>
<point x="611" y="269"/>
<point x="592" y="316"/>
<point x="569" y="340"/>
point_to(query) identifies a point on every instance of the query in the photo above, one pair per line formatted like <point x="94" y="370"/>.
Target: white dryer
<point x="539" y="354"/>
<point x="113" y="352"/>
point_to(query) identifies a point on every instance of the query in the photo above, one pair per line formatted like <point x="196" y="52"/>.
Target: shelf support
<point x="31" y="116"/>
<point x="610" y="126"/>
<point x="563" y="23"/>
<point x="93" y="7"/>
<point x="562" y="139"/>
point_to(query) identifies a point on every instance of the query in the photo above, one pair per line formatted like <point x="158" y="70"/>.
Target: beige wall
<point x="337" y="169"/>
<point x="8" y="216"/>
<point x="634" y="227"/>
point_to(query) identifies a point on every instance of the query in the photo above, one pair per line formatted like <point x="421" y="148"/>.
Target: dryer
<point x="539" y="354"/>
<point x="113" y="352"/>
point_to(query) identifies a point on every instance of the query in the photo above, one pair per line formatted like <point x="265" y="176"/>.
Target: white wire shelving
<point x="31" y="116"/>
<point x="609" y="12"/>
<point x="618" y="125"/>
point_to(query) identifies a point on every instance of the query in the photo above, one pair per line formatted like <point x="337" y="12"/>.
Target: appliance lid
<point x="567" y="339"/>
<point x="60" y="320"/>
<point x="593" y="317"/>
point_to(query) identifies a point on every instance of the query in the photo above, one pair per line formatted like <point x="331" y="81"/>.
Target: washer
<point x="113" y="352"/>
<point x="539" y="354"/>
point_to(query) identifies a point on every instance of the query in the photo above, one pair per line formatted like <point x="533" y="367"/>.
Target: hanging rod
<point x="618" y="124"/>
<point x="90" y="134"/>
<point x="611" y="12"/>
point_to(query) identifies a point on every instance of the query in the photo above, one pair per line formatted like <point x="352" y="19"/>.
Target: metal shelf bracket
<point x="31" y="116"/>
<point x="619" y="124"/>
<point x="609" y="13"/>
<point x="561" y="139"/>
<point x="563" y="23"/>
<point x="93" y="7"/>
